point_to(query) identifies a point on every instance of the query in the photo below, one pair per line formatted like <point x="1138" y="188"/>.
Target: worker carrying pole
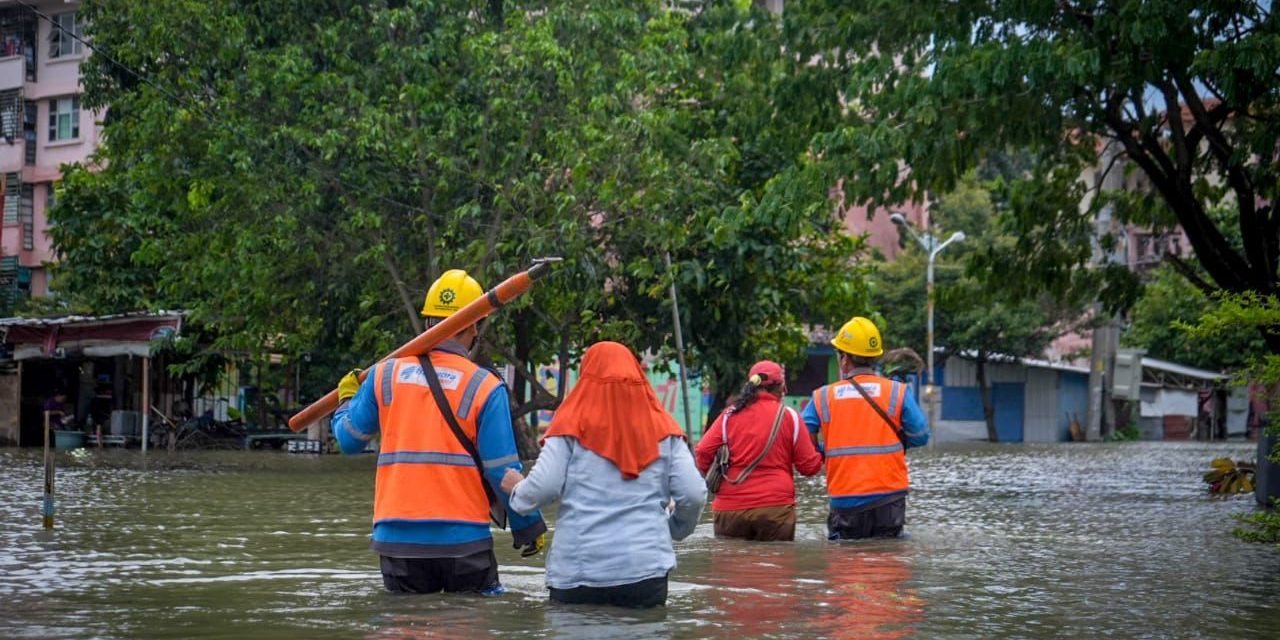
<point x="490" y="301"/>
<point x="446" y="441"/>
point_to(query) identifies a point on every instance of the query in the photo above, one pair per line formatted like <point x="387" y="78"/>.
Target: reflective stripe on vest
<point x="424" y="473"/>
<point x="865" y="456"/>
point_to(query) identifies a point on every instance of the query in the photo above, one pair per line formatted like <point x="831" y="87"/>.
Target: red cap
<point x="770" y="372"/>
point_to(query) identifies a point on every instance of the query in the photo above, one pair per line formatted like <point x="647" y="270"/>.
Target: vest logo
<point x="450" y="379"/>
<point x="846" y="391"/>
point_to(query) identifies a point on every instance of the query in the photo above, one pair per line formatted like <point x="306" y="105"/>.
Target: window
<point x="11" y="115"/>
<point x="64" y="119"/>
<point x="12" y="194"/>
<point x="29" y="131"/>
<point x="61" y="42"/>
<point x="27" y="216"/>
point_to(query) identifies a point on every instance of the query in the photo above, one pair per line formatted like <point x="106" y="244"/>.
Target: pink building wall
<point x="56" y="77"/>
<point x="882" y="233"/>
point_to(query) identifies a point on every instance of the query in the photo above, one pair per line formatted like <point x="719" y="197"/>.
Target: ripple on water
<point x="1028" y="541"/>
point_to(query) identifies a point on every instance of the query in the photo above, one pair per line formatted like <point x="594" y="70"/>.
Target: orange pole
<point x="505" y="292"/>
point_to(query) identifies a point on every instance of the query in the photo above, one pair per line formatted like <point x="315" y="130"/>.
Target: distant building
<point x="42" y="127"/>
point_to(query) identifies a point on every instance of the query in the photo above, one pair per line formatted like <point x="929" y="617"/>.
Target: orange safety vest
<point x="424" y="473"/>
<point x="865" y="457"/>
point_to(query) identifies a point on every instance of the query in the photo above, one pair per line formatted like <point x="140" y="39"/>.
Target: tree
<point x="1184" y="91"/>
<point x="1160" y="319"/>
<point x="974" y="318"/>
<point x="296" y="184"/>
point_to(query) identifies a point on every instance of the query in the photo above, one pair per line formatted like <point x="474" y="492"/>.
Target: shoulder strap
<point x="496" y="511"/>
<point x="795" y="425"/>
<point x="773" y="435"/>
<point x="875" y="405"/>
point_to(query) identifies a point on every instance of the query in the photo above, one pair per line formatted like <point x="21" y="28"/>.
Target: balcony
<point x="13" y="72"/>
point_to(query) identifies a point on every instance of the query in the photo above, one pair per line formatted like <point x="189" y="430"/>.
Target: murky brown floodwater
<point x="1076" y="541"/>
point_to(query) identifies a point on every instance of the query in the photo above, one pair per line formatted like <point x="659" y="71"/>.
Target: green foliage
<point x="1168" y="305"/>
<point x="1229" y="315"/>
<point x="297" y="184"/>
<point x="1263" y="526"/>
<point x="935" y="88"/>
<point x="1126" y="433"/>
<point x="974" y="314"/>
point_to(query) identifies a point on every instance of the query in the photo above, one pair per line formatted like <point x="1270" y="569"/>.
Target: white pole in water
<point x="675" y="319"/>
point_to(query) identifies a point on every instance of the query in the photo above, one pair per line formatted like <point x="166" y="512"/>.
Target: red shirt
<point x="772" y="483"/>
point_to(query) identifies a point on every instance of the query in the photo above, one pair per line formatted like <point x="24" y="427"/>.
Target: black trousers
<point x="878" y="520"/>
<point x="473" y="573"/>
<point x="637" y="595"/>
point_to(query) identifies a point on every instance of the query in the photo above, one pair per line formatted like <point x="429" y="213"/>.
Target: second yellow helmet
<point x="451" y="291"/>
<point x="859" y="337"/>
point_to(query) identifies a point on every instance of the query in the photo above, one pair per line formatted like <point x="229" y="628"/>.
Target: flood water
<point x="1052" y="541"/>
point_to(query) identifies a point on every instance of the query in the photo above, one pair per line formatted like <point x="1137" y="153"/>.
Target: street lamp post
<point x="932" y="247"/>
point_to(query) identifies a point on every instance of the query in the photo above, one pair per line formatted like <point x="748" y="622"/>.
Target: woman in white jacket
<point x="627" y="485"/>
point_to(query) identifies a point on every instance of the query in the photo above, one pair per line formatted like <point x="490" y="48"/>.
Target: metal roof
<point x="1002" y="358"/>
<point x="93" y="320"/>
<point x="1180" y="369"/>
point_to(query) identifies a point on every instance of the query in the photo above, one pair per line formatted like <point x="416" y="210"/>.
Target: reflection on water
<point x="1026" y="541"/>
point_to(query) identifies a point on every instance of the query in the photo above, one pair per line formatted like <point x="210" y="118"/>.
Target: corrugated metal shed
<point x="1034" y="400"/>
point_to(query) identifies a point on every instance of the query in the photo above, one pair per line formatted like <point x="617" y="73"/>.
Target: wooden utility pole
<point x="684" y="381"/>
<point x="1101" y="421"/>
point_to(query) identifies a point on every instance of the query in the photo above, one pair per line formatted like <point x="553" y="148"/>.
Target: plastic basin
<point x="68" y="439"/>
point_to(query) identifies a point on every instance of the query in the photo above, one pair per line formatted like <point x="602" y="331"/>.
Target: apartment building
<point x="42" y="127"/>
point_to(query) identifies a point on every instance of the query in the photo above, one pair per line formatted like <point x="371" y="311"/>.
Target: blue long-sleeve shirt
<point x="915" y="429"/>
<point x="356" y="422"/>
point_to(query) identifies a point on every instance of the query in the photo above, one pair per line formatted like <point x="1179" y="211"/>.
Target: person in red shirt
<point x="759" y="504"/>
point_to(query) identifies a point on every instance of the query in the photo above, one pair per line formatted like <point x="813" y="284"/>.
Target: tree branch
<point x="1224" y="265"/>
<point x="410" y="309"/>
<point x="1262" y="262"/>
<point x="1188" y="272"/>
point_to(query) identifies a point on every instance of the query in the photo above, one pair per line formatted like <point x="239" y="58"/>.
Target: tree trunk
<point x="984" y="390"/>
<point x="526" y="437"/>
<point x="415" y="319"/>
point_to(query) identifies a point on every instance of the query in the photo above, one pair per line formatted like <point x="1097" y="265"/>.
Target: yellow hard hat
<point x="450" y="292"/>
<point x="859" y="337"/>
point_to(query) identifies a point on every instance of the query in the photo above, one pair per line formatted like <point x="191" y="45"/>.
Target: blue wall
<point x="1009" y="399"/>
<point x="1073" y="397"/>
<point x="961" y="403"/>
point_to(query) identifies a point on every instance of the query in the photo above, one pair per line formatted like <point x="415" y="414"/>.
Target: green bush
<point x="1265" y="525"/>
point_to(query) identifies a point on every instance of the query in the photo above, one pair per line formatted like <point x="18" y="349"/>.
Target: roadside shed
<point x="102" y="364"/>
<point x="1181" y="402"/>
<point x="1034" y="400"/>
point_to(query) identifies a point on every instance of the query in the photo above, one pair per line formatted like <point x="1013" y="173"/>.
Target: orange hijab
<point x="613" y="411"/>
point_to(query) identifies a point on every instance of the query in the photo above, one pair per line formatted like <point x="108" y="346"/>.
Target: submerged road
<point x="1028" y="541"/>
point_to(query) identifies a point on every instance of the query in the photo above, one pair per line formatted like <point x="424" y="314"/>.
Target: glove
<point x="533" y="548"/>
<point x="349" y="385"/>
